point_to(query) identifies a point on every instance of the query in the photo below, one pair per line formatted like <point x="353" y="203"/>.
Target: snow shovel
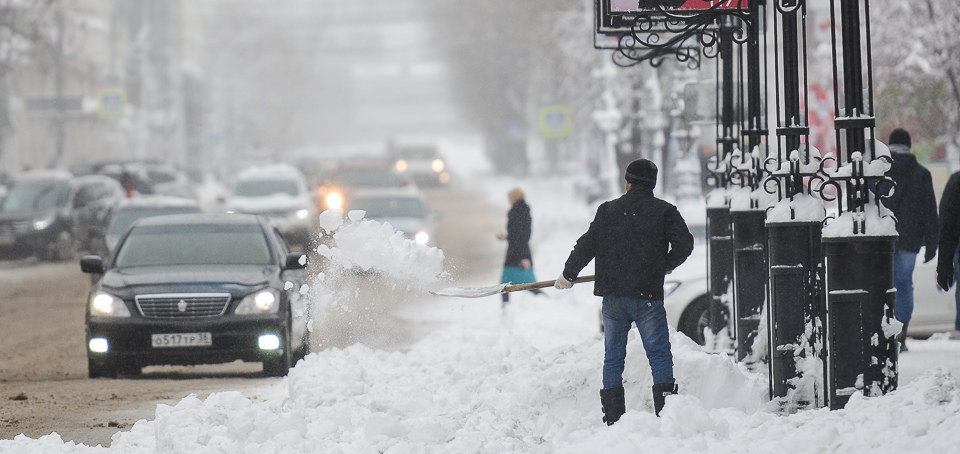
<point x="500" y="288"/>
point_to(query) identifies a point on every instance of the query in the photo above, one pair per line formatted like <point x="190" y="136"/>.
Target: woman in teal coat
<point x="518" y="264"/>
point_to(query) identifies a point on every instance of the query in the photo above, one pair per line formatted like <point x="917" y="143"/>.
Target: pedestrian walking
<point x="636" y="240"/>
<point x="914" y="205"/>
<point x="948" y="267"/>
<point x="518" y="263"/>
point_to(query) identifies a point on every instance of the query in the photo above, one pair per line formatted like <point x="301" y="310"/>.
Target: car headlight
<point x="401" y="165"/>
<point x="302" y="213"/>
<point x="266" y="301"/>
<point x="40" y="224"/>
<point x="670" y="287"/>
<point x="437" y="165"/>
<point x="422" y="237"/>
<point x="103" y="304"/>
<point x="334" y="201"/>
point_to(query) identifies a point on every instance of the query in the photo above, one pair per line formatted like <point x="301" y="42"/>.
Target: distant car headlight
<point x="401" y="165"/>
<point x="103" y="304"/>
<point x="437" y="165"/>
<point x="670" y="287"/>
<point x="334" y="201"/>
<point x="266" y="301"/>
<point x="302" y="213"/>
<point x="40" y="224"/>
<point x="422" y="237"/>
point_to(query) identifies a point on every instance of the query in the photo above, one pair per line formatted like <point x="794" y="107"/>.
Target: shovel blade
<point x="478" y="292"/>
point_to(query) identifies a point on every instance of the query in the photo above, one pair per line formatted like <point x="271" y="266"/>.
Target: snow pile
<point x="800" y="208"/>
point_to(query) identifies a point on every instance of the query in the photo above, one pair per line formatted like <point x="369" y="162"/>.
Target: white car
<point x="280" y="193"/>
<point x="686" y="298"/>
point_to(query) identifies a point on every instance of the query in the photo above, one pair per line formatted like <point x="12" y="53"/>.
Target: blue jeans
<point x="903" y="264"/>
<point x="619" y="313"/>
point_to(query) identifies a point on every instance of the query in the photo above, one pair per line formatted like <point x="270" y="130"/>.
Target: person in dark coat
<point x="518" y="263"/>
<point x="636" y="240"/>
<point x="914" y="205"/>
<point x="948" y="267"/>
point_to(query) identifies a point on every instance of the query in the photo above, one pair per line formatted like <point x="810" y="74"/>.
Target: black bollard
<point x="796" y="314"/>
<point x="750" y="280"/>
<point x="860" y="301"/>
<point x="720" y="261"/>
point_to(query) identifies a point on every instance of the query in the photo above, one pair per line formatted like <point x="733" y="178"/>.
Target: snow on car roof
<point x="43" y="174"/>
<point x="269" y="171"/>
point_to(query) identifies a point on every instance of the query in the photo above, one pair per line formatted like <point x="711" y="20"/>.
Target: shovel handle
<point x="542" y="284"/>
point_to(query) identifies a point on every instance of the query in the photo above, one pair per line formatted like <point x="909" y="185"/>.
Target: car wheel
<point x="95" y="370"/>
<point x="278" y="366"/>
<point x="696" y="319"/>
<point x="304" y="349"/>
<point x="65" y="248"/>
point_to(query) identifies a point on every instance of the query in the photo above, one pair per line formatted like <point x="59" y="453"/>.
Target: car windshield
<point x="264" y="188"/>
<point x="366" y="176"/>
<point x="194" y="245"/>
<point x="34" y="196"/>
<point x="124" y="218"/>
<point x="385" y="207"/>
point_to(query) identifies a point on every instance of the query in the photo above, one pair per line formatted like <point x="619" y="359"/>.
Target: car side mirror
<point x="91" y="264"/>
<point x="296" y="261"/>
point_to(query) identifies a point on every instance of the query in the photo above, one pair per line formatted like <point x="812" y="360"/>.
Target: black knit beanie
<point x="899" y="137"/>
<point x="642" y="172"/>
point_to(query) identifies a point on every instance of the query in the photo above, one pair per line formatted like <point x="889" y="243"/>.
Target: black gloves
<point x="945" y="277"/>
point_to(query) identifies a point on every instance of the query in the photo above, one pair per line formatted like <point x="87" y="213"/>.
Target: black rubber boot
<point x="902" y="337"/>
<point x="612" y="404"/>
<point x="660" y="393"/>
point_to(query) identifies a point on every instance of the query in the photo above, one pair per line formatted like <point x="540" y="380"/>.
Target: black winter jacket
<point x="518" y="233"/>
<point x="636" y="239"/>
<point x="914" y="205"/>
<point x="949" y="225"/>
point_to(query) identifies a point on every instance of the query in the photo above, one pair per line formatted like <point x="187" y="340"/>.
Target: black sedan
<point x="196" y="289"/>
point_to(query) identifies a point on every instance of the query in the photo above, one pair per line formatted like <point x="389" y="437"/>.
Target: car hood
<point x="143" y="279"/>
<point x="695" y="267"/>
<point x="18" y="216"/>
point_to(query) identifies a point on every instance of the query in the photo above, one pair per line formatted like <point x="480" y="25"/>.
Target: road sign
<point x="555" y="121"/>
<point x="113" y="103"/>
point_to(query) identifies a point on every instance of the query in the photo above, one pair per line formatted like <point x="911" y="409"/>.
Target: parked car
<point x="48" y="213"/>
<point x="125" y="212"/>
<point x="196" y="289"/>
<point x="404" y="208"/>
<point x="420" y="160"/>
<point x="280" y="193"/>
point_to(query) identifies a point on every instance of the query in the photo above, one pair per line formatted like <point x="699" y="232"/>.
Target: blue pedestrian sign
<point x="555" y="121"/>
<point x="113" y="103"/>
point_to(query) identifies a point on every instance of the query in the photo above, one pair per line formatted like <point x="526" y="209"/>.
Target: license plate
<point x="182" y="340"/>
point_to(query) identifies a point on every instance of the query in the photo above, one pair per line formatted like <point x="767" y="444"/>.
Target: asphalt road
<point x="43" y="371"/>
